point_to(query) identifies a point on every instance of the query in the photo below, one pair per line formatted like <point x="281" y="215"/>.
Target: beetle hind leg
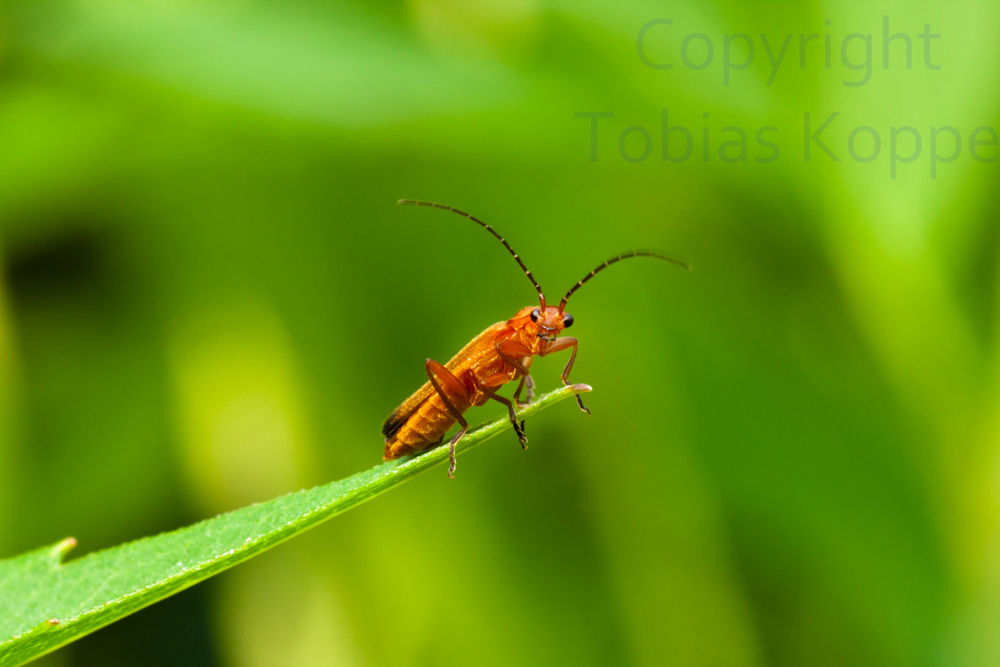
<point x="435" y="372"/>
<point x="452" y="462"/>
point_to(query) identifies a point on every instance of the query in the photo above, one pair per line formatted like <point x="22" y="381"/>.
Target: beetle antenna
<point x="624" y="255"/>
<point x="527" y="272"/>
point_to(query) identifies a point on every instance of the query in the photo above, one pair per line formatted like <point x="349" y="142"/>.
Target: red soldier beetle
<point x="500" y="354"/>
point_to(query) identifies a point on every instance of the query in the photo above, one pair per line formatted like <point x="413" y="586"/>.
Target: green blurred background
<point x="208" y="298"/>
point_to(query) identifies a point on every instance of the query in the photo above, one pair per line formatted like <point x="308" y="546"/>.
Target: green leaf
<point x="45" y="604"/>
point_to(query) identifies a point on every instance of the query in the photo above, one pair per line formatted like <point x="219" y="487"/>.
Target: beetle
<point x="500" y="354"/>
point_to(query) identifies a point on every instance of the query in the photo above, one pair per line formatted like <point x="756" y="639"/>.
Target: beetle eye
<point x="567" y="320"/>
<point x="534" y="315"/>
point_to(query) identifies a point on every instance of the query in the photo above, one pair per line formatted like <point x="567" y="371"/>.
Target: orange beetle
<point x="500" y="354"/>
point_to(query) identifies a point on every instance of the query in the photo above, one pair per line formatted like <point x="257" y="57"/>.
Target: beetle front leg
<point x="560" y="344"/>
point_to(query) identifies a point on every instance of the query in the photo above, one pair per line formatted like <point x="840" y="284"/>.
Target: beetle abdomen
<point x="424" y="427"/>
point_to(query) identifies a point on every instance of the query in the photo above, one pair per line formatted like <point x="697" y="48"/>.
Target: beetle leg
<point x="517" y="394"/>
<point x="518" y="428"/>
<point x="526" y="381"/>
<point x="563" y="343"/>
<point x="510" y="356"/>
<point x="530" y="382"/>
<point x="436" y="371"/>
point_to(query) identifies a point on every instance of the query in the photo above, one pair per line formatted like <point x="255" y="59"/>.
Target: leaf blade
<point x="45" y="604"/>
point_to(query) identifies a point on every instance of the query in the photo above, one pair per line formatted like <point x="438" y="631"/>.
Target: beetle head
<point x="549" y="321"/>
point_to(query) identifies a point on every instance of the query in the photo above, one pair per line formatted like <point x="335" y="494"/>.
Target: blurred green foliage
<point x="792" y="457"/>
